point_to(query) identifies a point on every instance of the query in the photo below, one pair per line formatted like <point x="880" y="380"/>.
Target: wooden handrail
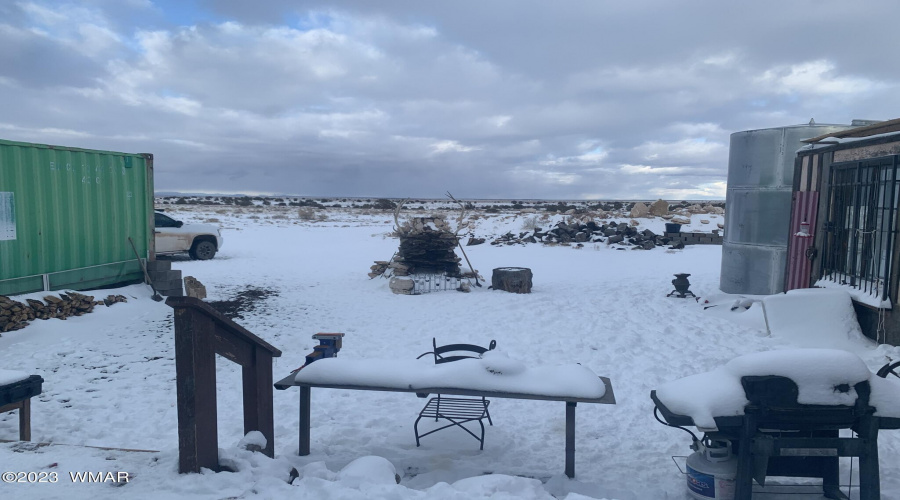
<point x="201" y="332"/>
<point x="223" y="321"/>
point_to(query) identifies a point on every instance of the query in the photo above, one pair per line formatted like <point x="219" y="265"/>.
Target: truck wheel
<point x="203" y="250"/>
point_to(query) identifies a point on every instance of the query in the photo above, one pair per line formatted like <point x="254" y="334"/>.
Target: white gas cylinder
<point x="711" y="472"/>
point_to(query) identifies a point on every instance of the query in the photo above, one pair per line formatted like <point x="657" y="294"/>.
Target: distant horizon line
<point x="169" y="194"/>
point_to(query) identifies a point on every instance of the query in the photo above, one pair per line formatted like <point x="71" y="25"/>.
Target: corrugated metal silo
<point x="758" y="206"/>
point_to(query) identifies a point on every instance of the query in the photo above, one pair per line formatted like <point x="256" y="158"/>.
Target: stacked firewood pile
<point x="426" y="246"/>
<point x="16" y="315"/>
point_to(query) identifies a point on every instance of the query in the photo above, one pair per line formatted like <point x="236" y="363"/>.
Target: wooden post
<point x="258" y="388"/>
<point x="201" y="332"/>
<point x="195" y="375"/>
<point x="570" y="439"/>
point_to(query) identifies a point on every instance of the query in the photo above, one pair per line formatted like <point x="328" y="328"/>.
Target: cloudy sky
<point x="487" y="99"/>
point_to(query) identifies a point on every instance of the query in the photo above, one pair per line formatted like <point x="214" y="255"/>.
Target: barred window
<point x="860" y="224"/>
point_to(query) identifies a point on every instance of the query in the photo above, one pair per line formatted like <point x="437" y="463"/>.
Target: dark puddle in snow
<point x="244" y="301"/>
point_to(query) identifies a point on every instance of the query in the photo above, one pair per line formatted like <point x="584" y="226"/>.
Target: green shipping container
<point x="66" y="215"/>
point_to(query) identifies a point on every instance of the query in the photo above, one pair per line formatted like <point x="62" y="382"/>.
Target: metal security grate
<point x="860" y="225"/>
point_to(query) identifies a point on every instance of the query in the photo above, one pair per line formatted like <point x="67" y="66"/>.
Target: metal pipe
<point x="570" y="439"/>
<point x="890" y="231"/>
<point x="305" y="400"/>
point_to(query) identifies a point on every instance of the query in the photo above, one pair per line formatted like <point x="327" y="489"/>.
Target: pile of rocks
<point x="15" y="315"/>
<point x="661" y="208"/>
<point x="579" y="233"/>
<point x="378" y="269"/>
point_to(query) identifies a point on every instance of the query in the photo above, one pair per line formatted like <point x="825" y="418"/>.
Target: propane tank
<point x="711" y="471"/>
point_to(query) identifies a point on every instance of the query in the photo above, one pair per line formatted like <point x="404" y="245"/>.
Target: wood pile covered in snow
<point x="15" y="315"/>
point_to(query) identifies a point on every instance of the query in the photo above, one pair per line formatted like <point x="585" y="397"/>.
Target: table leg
<point x="25" y="420"/>
<point x="304" y="420"/>
<point x="570" y="439"/>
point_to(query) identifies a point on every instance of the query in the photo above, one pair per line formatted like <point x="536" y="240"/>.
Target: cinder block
<point x="167" y="285"/>
<point x="165" y="275"/>
<point x="172" y="292"/>
<point x="159" y="265"/>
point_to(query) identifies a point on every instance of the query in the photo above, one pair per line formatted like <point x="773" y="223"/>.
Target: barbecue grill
<point x="777" y="436"/>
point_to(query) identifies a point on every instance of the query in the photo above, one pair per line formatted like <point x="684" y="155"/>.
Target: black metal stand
<point x="681" y="285"/>
<point x="806" y="454"/>
<point x="570" y="439"/>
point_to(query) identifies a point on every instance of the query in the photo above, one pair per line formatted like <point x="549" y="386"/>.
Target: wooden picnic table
<point x="421" y="378"/>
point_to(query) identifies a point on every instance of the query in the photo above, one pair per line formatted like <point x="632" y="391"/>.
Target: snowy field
<point x="109" y="376"/>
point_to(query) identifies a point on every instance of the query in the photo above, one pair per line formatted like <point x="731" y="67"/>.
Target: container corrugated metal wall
<point x="68" y="215"/>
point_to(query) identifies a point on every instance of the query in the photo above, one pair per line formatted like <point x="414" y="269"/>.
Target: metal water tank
<point x="758" y="206"/>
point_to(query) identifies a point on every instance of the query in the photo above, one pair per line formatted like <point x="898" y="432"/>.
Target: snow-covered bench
<point x="16" y="391"/>
<point x="495" y="376"/>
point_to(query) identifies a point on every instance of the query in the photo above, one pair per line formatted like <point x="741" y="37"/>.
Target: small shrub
<point x="384" y="204"/>
<point x="306" y="213"/>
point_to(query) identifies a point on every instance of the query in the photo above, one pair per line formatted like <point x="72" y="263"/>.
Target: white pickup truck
<point x="201" y="241"/>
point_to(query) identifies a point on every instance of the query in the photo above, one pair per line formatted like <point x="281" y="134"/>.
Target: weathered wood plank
<point x="259" y="411"/>
<point x="195" y="369"/>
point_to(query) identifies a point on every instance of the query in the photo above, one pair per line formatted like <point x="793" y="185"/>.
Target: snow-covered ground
<point x="109" y="376"/>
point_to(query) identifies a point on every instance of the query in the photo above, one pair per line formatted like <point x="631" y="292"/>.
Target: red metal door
<point x="804" y="211"/>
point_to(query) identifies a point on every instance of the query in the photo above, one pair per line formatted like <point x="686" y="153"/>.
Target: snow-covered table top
<point x="817" y="372"/>
<point x="10" y="376"/>
<point x="495" y="375"/>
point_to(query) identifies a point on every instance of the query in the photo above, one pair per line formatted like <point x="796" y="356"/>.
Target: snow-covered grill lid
<point x="817" y="373"/>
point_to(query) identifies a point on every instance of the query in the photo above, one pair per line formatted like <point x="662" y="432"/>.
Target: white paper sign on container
<point x="7" y="216"/>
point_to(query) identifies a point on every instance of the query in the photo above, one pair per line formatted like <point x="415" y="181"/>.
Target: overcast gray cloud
<point x="499" y="99"/>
